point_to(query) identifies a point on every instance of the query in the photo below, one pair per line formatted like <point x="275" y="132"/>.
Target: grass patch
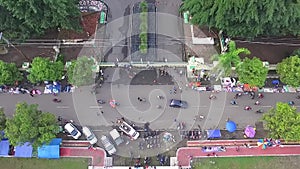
<point x="143" y="27"/>
<point x="291" y="162"/>
<point x="35" y="163"/>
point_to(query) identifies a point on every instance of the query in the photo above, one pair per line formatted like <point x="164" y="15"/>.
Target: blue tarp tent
<point x="4" y="147"/>
<point x="51" y="150"/>
<point x="24" y="150"/>
<point x="230" y="126"/>
<point x="213" y="133"/>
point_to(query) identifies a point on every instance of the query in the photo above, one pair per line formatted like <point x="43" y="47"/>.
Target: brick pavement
<point x="185" y="154"/>
<point x="98" y="155"/>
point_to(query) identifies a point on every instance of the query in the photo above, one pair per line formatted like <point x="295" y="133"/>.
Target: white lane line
<point x="95" y="107"/>
<point x="197" y="106"/>
<point x="234" y="106"/>
<point x="265" y="106"/>
<point x="62" y="107"/>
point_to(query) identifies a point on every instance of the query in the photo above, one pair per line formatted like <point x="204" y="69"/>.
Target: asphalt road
<point x="81" y="107"/>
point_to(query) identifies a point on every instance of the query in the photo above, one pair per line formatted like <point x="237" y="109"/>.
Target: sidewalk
<point x="185" y="154"/>
<point x="98" y="155"/>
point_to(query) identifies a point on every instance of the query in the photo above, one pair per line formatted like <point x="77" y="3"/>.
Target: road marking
<point x="266" y="106"/>
<point x="62" y="107"/>
<point x="197" y="106"/>
<point x="95" y="107"/>
<point x="233" y="106"/>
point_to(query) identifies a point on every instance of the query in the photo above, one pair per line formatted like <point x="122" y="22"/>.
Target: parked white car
<point x="108" y="146"/>
<point x="75" y="133"/>
<point x="130" y="131"/>
<point x="228" y="81"/>
<point x="90" y="136"/>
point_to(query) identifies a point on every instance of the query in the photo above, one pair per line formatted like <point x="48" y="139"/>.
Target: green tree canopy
<point x="42" y="69"/>
<point x="283" y="122"/>
<point x="9" y="73"/>
<point x="250" y="18"/>
<point x="80" y="72"/>
<point x="289" y="71"/>
<point x="33" y="17"/>
<point x="229" y="59"/>
<point x="31" y="125"/>
<point x="2" y="119"/>
<point x="296" y="52"/>
<point x="2" y="122"/>
<point x="252" y="71"/>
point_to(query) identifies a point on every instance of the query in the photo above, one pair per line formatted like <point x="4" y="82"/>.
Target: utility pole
<point x="12" y="45"/>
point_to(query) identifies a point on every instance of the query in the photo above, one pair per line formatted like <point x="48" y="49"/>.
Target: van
<point x="90" y="136"/>
<point x="116" y="137"/>
<point x="109" y="147"/>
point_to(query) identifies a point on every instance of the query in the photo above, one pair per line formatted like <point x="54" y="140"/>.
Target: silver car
<point x="109" y="147"/>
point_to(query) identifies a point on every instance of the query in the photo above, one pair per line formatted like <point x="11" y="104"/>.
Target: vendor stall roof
<point x="213" y="133"/>
<point x="4" y="147"/>
<point x="48" y="151"/>
<point x="24" y="150"/>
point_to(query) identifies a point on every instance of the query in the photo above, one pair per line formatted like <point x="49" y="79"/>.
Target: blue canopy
<point x="51" y="150"/>
<point x="56" y="141"/>
<point x="48" y="151"/>
<point x="213" y="133"/>
<point x="24" y="150"/>
<point x="4" y="147"/>
<point x="230" y="126"/>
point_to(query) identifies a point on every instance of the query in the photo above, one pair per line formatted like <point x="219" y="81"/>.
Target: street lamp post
<point x="12" y="45"/>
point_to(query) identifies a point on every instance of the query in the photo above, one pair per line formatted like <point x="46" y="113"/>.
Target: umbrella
<point x="230" y="126"/>
<point x="261" y="143"/>
<point x="250" y="131"/>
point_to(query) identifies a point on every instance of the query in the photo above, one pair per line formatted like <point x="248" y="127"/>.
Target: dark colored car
<point x="178" y="103"/>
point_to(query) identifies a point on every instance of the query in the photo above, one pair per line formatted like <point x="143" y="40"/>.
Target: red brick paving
<point x="98" y="155"/>
<point x="184" y="154"/>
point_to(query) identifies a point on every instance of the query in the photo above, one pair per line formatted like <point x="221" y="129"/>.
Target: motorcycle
<point x="233" y="102"/>
<point x="260" y="96"/>
<point x="291" y="103"/>
<point x="212" y="97"/>
<point x="101" y="101"/>
<point x="247" y="108"/>
<point x="257" y="103"/>
<point x="160" y="97"/>
<point x="55" y="100"/>
<point x="259" y="111"/>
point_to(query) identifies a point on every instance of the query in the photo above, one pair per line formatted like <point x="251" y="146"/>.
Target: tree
<point x="248" y="19"/>
<point x="252" y="71"/>
<point x="33" y="17"/>
<point x="9" y="73"/>
<point x="289" y="71"/>
<point x="80" y="72"/>
<point x="13" y="27"/>
<point x="31" y="125"/>
<point x="42" y="69"/>
<point x="2" y="119"/>
<point x="283" y="122"/>
<point x="2" y="122"/>
<point x="229" y="59"/>
<point x="296" y="52"/>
